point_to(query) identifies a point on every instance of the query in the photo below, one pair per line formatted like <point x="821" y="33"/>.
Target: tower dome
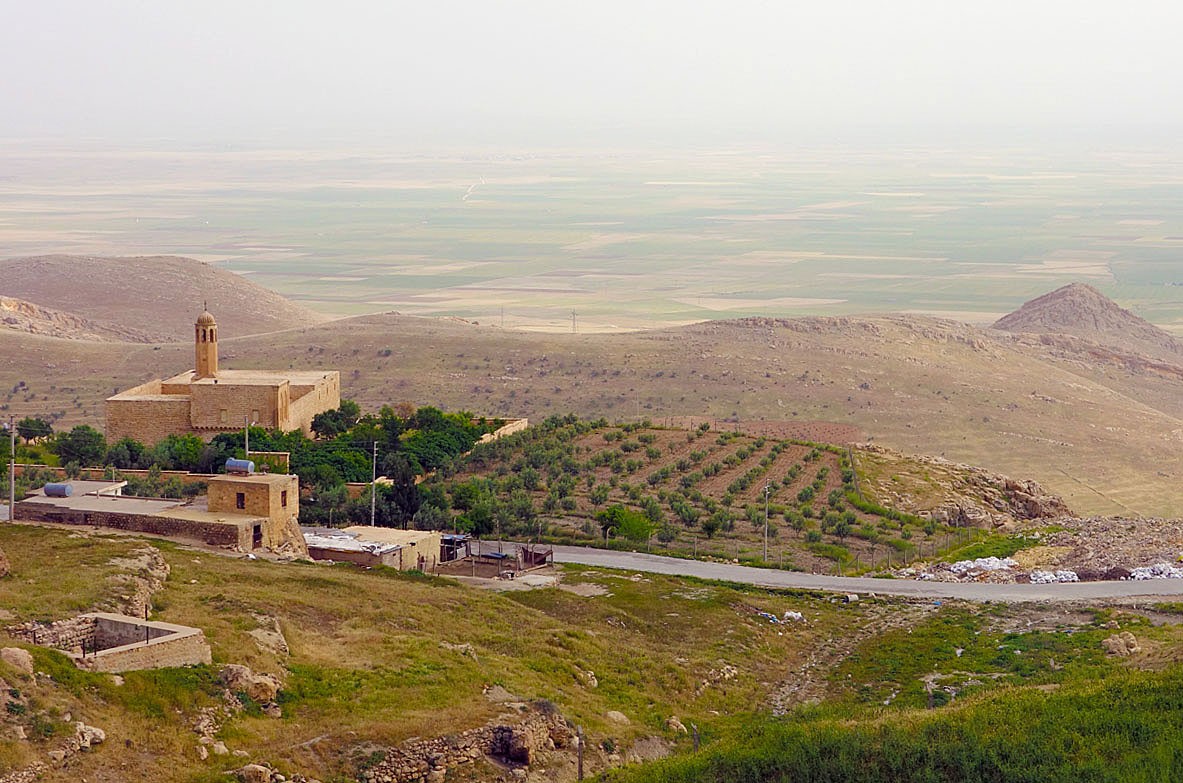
<point x="205" y="345"/>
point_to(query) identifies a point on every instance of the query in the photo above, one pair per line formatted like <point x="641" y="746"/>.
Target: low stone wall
<point x="429" y="759"/>
<point x="213" y="533"/>
<point x="77" y="633"/>
<point x="105" y="642"/>
<point x="510" y="427"/>
<point x="101" y="474"/>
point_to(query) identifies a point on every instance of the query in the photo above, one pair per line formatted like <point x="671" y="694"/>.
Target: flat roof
<point x="254" y="377"/>
<point x="344" y="541"/>
<point x="252" y="478"/>
<point x="155" y="507"/>
<point x="88" y="487"/>
<point x="111" y="503"/>
<point x="390" y="535"/>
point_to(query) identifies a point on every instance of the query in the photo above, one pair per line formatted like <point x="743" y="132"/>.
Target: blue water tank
<point x="58" y="490"/>
<point x="240" y="466"/>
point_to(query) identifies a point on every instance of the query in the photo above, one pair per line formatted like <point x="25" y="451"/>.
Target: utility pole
<point x="767" y="487"/>
<point x="374" y="484"/>
<point x="11" y="468"/>
<point x="246" y="437"/>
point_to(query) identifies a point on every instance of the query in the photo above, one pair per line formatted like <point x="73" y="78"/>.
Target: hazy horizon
<point x="531" y="73"/>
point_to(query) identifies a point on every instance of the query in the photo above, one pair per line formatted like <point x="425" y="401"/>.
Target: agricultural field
<point x="622" y="240"/>
<point x="690" y="492"/>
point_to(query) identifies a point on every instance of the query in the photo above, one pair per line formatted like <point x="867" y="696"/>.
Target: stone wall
<point x="508" y="428"/>
<point x="518" y="743"/>
<point x="263" y="496"/>
<point x="106" y="642"/>
<point x="148" y="418"/>
<point x="307" y="401"/>
<point x="77" y="633"/>
<point x="228" y="534"/>
<point x="227" y="406"/>
<point x="99" y="474"/>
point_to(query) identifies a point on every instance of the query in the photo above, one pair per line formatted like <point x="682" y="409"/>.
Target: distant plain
<point x="622" y="241"/>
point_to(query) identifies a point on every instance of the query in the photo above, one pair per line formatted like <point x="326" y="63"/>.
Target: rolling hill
<point x="155" y="296"/>
<point x="1096" y="428"/>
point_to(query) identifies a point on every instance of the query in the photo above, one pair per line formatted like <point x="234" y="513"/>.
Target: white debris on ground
<point x="1051" y="577"/>
<point x="794" y="617"/>
<point x="1156" y="571"/>
<point x="983" y="564"/>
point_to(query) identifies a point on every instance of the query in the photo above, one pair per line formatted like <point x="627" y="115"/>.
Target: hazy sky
<point x="439" y="71"/>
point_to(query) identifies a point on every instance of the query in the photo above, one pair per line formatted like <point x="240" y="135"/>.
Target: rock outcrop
<point x="515" y="743"/>
<point x="1123" y="645"/>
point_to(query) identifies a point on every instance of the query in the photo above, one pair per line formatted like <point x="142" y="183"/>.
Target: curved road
<point x="767" y="577"/>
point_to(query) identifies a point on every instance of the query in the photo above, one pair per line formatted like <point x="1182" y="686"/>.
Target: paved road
<point x="765" y="577"/>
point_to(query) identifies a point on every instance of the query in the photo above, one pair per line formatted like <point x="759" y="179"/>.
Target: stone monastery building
<point x="206" y="401"/>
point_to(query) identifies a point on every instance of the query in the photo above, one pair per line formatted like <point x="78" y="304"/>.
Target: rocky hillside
<point x="32" y="318"/>
<point x="155" y="297"/>
<point x="1081" y="311"/>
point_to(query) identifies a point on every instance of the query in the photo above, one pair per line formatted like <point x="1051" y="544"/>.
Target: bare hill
<point x="1083" y="312"/>
<point x="1104" y="435"/>
<point x="33" y="318"/>
<point x="156" y="297"/>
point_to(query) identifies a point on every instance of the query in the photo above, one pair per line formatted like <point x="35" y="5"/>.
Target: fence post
<point x="579" y="750"/>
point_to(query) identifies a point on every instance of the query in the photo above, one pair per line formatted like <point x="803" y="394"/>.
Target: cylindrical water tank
<point x="58" y="490"/>
<point x="240" y="466"/>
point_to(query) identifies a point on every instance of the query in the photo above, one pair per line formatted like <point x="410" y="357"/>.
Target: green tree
<point x="31" y="428"/>
<point x="330" y="424"/>
<point x="430" y="517"/>
<point x="83" y="444"/>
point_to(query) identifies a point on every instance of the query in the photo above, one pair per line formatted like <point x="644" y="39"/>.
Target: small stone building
<point x="274" y="497"/>
<point x="371" y="546"/>
<point x="207" y="400"/>
<point x="263" y="519"/>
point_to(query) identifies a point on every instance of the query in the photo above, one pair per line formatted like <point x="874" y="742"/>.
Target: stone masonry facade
<point x="207" y="401"/>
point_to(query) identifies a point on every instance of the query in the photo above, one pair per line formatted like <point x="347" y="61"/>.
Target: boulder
<point x="617" y="717"/>
<point x="1123" y="644"/>
<point x="261" y="688"/>
<point x="18" y="659"/>
<point x="88" y="736"/>
<point x="673" y="724"/>
<point x="253" y="773"/>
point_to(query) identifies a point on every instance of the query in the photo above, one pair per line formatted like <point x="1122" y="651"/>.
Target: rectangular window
<point x="283" y="498"/>
<point x="255" y="416"/>
<point x="224" y="416"/>
<point x="239" y="500"/>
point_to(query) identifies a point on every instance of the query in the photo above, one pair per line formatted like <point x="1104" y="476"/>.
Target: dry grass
<point x="367" y="662"/>
<point x="1101" y="436"/>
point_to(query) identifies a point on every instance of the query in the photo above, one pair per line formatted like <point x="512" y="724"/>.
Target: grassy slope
<point x="366" y="658"/>
<point x="1127" y="728"/>
<point x="367" y="662"/>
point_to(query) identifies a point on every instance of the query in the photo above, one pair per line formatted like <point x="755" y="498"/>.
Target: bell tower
<point x="205" y="346"/>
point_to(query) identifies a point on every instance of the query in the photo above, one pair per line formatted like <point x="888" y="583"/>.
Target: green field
<point x="625" y="240"/>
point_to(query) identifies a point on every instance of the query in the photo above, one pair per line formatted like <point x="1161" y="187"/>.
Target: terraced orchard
<point x="676" y="491"/>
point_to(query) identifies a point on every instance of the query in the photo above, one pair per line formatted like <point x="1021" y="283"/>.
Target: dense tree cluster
<point x="407" y="443"/>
